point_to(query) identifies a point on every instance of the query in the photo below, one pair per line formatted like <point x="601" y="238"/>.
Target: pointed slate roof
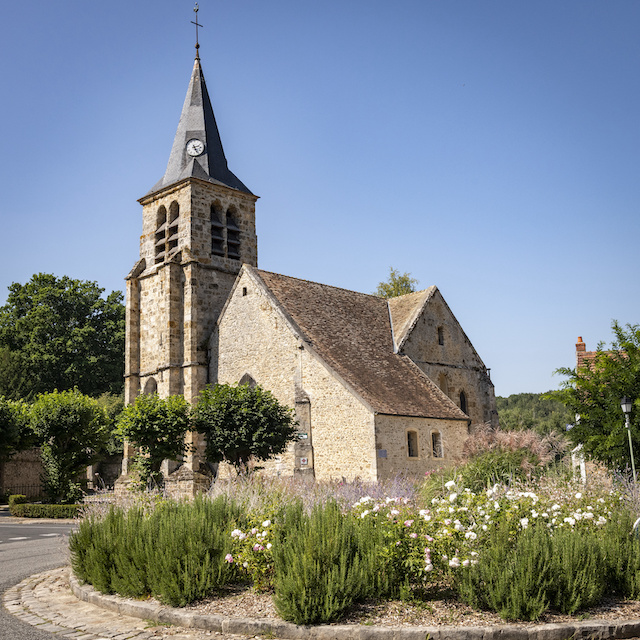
<point x="197" y="121"/>
<point x="351" y="333"/>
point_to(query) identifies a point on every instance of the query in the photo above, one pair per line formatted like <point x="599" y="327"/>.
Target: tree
<point x="15" y="434"/>
<point x="397" y="285"/>
<point x="242" y="422"/>
<point x="537" y="411"/>
<point x="60" y="333"/>
<point x="593" y="394"/>
<point x="157" y="428"/>
<point x="71" y="427"/>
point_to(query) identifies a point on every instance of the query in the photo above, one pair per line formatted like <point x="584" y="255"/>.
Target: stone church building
<point x="378" y="386"/>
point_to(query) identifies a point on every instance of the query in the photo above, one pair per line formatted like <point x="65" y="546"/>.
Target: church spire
<point x="197" y="150"/>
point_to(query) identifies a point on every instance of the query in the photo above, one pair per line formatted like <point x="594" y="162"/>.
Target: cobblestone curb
<point x="587" y="630"/>
<point x="45" y="601"/>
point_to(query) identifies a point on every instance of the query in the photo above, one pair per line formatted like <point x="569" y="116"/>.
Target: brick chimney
<point x="581" y="349"/>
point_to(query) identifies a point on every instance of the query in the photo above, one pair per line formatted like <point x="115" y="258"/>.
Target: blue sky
<point x="490" y="148"/>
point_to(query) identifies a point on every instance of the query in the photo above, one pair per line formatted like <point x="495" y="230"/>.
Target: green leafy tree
<point x="593" y="393"/>
<point x="71" y="428"/>
<point x="60" y="333"/>
<point x="397" y="285"/>
<point x="540" y="412"/>
<point x="157" y="428"/>
<point x="241" y="423"/>
<point x="15" y="434"/>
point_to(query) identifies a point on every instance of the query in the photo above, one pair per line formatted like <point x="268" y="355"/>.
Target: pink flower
<point x="408" y="523"/>
<point x="258" y="547"/>
<point x="229" y="558"/>
<point x="413" y="534"/>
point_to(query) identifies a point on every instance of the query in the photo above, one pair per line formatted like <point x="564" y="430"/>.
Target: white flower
<point x="269" y="545"/>
<point x="450" y="484"/>
<point x="484" y="527"/>
<point x="458" y="527"/>
<point x="236" y="533"/>
<point x="266" y="523"/>
<point x="394" y="512"/>
<point x="365" y="513"/>
<point x="578" y="495"/>
<point x="555" y="507"/>
<point x="496" y="505"/>
<point x="454" y="562"/>
<point x="588" y="515"/>
<point x="245" y="564"/>
<point x="524" y="522"/>
<point x="429" y="567"/>
<point x="601" y="520"/>
<point x="466" y="563"/>
<point x="470" y="535"/>
<point x="452" y="497"/>
<point x="570" y="521"/>
<point x="534" y="513"/>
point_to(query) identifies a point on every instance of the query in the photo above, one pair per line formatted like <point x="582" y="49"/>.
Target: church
<point x="379" y="387"/>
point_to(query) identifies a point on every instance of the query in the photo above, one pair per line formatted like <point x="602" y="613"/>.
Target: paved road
<point x="26" y="549"/>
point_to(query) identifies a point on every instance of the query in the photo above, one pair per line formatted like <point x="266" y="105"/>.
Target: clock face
<point x="195" y="147"/>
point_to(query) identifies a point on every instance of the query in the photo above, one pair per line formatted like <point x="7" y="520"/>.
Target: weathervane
<point x="196" y="9"/>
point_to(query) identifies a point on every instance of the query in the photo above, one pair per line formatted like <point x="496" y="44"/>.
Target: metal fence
<point x="29" y="490"/>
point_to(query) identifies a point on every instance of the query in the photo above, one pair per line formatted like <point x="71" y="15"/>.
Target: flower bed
<point x="321" y="548"/>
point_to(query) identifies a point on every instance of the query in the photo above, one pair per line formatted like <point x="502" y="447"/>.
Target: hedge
<point x="45" y="510"/>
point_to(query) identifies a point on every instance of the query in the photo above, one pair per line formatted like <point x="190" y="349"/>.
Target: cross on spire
<point x="196" y="9"/>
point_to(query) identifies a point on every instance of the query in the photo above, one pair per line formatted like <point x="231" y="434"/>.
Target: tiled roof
<point x="351" y="333"/>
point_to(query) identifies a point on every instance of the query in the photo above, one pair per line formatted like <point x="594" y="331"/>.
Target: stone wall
<point x="453" y="365"/>
<point x="254" y="338"/>
<point x="173" y="302"/>
<point x="21" y="474"/>
<point x="392" y="444"/>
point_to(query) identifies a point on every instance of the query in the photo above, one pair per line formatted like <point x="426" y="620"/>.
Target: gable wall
<point x="253" y="337"/>
<point x="454" y="366"/>
<point x="391" y="438"/>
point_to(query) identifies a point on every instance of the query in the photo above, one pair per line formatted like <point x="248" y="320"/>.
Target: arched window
<point x="436" y="444"/>
<point x="161" y="235"/>
<point x="217" y="230"/>
<point x="412" y="444"/>
<point x="233" y="235"/>
<point x="247" y="379"/>
<point x="150" y="387"/>
<point x="463" y="401"/>
<point x="172" y="229"/>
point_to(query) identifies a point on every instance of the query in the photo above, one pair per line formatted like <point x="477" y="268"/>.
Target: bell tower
<point x="198" y="228"/>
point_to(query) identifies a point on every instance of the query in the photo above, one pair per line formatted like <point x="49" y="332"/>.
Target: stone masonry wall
<point x="180" y="297"/>
<point x="253" y="338"/>
<point x="21" y="473"/>
<point x="454" y="366"/>
<point x="391" y="441"/>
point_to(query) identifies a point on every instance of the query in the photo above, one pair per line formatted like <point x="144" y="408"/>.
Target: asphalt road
<point x="26" y="549"/>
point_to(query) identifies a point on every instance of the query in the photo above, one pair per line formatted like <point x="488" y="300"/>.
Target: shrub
<point x="17" y="498"/>
<point x="323" y="564"/>
<point x="242" y="424"/>
<point x="510" y="578"/>
<point x="56" y="511"/>
<point x="503" y="457"/>
<point x="177" y="552"/>
<point x="71" y="427"/>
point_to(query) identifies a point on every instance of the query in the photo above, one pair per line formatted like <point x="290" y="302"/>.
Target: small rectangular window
<point x="412" y="444"/>
<point x="436" y="444"/>
<point x="244" y="291"/>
